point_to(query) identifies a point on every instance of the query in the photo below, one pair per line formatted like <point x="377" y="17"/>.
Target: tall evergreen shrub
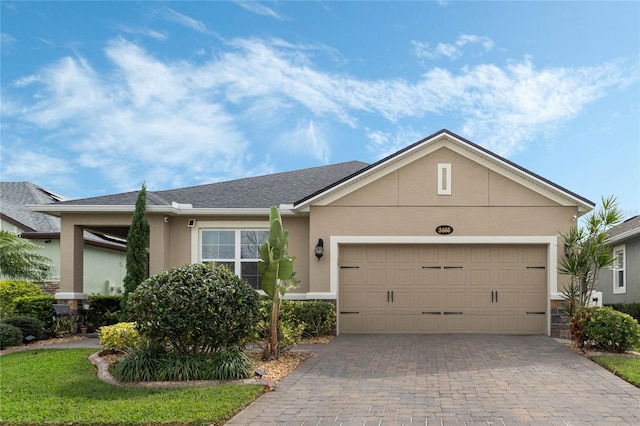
<point x="137" y="254"/>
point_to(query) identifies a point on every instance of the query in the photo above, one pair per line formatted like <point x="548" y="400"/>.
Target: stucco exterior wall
<point x="605" y="277"/>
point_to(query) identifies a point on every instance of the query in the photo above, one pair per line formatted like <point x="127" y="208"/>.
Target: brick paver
<point x="446" y="379"/>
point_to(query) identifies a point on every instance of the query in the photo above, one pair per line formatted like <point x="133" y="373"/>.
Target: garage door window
<point x="237" y="249"/>
<point x="619" y="276"/>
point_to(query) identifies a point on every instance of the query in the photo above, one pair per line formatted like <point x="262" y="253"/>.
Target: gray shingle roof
<point x="254" y="192"/>
<point x="14" y="196"/>
<point x="626" y="226"/>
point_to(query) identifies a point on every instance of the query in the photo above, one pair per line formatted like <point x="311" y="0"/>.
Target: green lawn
<point x="626" y="367"/>
<point x="59" y="386"/>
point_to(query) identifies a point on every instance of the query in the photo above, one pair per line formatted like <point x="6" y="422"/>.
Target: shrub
<point x="40" y="307"/>
<point x="10" y="335"/>
<point x="10" y="290"/>
<point x="140" y="365"/>
<point x="104" y="310"/>
<point x="195" y="309"/>
<point x="231" y="365"/>
<point x="28" y="325"/>
<point x="290" y="328"/>
<point x="606" y="328"/>
<point x="632" y="309"/>
<point x="318" y="317"/>
<point x="153" y="363"/>
<point x="64" y="326"/>
<point x="120" y="337"/>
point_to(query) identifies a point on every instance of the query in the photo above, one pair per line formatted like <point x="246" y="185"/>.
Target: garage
<point x="442" y="288"/>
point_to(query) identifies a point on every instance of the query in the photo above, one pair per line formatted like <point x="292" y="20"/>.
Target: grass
<point x="59" y="386"/>
<point x="626" y="367"/>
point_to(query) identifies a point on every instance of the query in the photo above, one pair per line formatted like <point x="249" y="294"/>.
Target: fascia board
<point x="492" y="163"/>
<point x="57" y="210"/>
<point x="623" y="236"/>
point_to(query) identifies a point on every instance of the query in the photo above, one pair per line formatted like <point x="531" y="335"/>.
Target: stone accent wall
<point x="559" y="320"/>
<point x="50" y="288"/>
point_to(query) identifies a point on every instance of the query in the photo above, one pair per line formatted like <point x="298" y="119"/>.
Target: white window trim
<point x="616" y="269"/>
<point x="444" y="178"/>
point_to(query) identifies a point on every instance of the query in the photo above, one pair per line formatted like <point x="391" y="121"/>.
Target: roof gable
<point x="461" y="146"/>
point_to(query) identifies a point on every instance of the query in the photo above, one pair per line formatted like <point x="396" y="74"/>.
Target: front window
<point x="619" y="276"/>
<point x="237" y="249"/>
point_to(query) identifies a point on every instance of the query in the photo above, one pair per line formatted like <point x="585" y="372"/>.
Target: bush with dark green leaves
<point x="197" y="309"/>
<point x="28" y="325"/>
<point x="104" y="310"/>
<point x="604" y="327"/>
<point x="11" y="290"/>
<point x="632" y="309"/>
<point x="10" y="335"/>
<point x="318" y="317"/>
<point x="40" y="307"/>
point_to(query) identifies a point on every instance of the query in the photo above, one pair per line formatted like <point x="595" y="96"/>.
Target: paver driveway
<point x="451" y="379"/>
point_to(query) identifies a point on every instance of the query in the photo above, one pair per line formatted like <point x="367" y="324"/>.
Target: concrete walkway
<point x="452" y="379"/>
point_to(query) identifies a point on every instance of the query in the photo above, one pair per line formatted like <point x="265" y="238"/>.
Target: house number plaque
<point x="444" y="230"/>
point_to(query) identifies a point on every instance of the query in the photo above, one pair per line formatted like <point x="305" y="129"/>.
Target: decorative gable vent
<point x="444" y="178"/>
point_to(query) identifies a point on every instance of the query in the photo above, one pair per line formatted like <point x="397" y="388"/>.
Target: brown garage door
<point x="442" y="289"/>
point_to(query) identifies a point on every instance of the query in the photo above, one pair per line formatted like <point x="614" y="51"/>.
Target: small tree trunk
<point x="273" y="350"/>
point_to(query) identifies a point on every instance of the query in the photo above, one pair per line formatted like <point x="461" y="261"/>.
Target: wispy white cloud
<point x="147" y="32"/>
<point x="258" y="8"/>
<point x="185" y="21"/>
<point x="152" y="117"/>
<point x="451" y="50"/>
<point x="6" y="41"/>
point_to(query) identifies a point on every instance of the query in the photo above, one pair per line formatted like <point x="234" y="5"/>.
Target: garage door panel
<point x="377" y="277"/>
<point x="481" y="322"/>
<point x="507" y="299"/>
<point x="532" y="322"/>
<point x="376" y="299"/>
<point x="403" y="323"/>
<point x="405" y="277"/>
<point x="430" y="322"/>
<point x="455" y="300"/>
<point x="350" y="300"/>
<point x="428" y="300"/>
<point x="455" y="323"/>
<point x="404" y="299"/>
<point x="480" y="298"/>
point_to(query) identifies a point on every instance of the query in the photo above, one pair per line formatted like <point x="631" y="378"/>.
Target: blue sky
<point x="98" y="97"/>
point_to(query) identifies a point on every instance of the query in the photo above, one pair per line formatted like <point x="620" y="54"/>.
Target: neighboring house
<point x="621" y="282"/>
<point x="104" y="257"/>
<point x="441" y="237"/>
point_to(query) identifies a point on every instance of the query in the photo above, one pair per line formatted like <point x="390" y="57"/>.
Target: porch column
<point x="158" y="244"/>
<point x="71" y="261"/>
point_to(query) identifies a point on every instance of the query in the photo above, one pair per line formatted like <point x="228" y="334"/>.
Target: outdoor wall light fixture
<point x="191" y="223"/>
<point x="319" y="250"/>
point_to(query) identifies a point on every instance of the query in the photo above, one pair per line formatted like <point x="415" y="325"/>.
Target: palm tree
<point x="19" y="259"/>
<point x="586" y="251"/>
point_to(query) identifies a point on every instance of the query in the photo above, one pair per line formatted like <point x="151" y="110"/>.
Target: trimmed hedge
<point x="28" y="325"/>
<point x="39" y="307"/>
<point x="318" y="317"/>
<point x="104" y="310"/>
<point x="632" y="309"/>
<point x="606" y="328"/>
<point x="11" y="290"/>
<point x="10" y="335"/>
<point x="120" y="337"/>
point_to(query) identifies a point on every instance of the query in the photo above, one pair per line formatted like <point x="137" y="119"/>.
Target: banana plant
<point x="276" y="267"/>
